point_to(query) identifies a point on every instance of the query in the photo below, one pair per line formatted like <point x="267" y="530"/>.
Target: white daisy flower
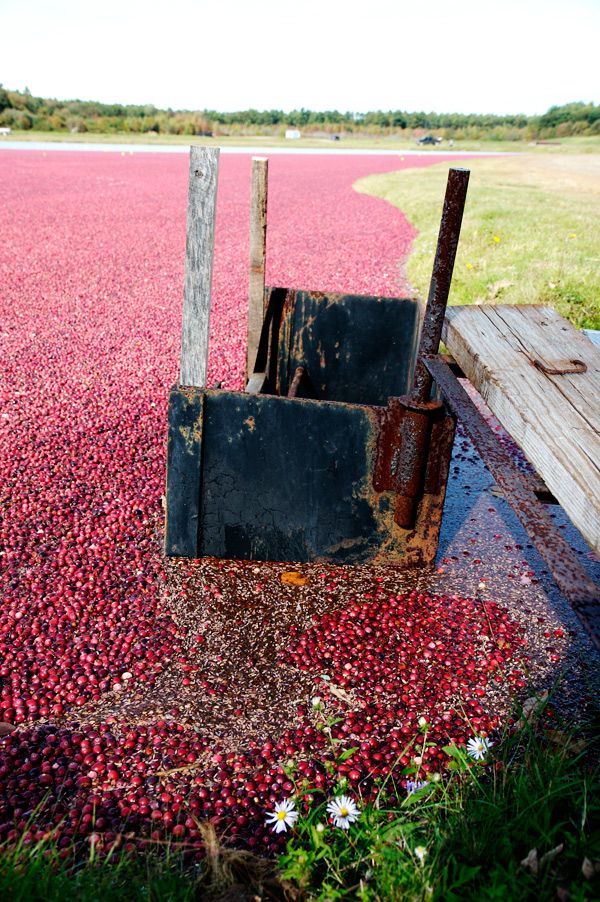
<point x="343" y="811"/>
<point x="284" y="816"/>
<point x="478" y="747"/>
<point x="420" y="852"/>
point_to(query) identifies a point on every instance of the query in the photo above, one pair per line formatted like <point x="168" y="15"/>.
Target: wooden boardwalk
<point x="541" y="378"/>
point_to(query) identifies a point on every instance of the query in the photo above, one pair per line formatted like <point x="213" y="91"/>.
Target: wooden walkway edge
<point x="541" y="378"/>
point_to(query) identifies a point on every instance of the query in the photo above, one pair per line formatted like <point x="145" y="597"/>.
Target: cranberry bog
<point x="149" y="695"/>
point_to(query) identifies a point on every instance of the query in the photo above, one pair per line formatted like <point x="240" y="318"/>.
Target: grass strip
<point x="394" y="143"/>
<point x="529" y="233"/>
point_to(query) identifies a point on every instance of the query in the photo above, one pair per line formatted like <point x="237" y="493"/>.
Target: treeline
<point x="21" y="110"/>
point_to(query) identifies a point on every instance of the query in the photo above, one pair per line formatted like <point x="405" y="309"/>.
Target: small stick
<point x="258" y="251"/>
<point x="202" y="195"/>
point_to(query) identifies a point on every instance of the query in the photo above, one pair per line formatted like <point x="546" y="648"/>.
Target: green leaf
<point x="343" y="756"/>
<point x="456" y="753"/>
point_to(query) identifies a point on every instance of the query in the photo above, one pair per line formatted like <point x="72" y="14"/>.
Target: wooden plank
<point x="258" y="253"/>
<point x="202" y="195"/>
<point x="554" y="418"/>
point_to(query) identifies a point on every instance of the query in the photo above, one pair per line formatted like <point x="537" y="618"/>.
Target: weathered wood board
<point x="202" y="199"/>
<point x="554" y="417"/>
<point x="258" y="253"/>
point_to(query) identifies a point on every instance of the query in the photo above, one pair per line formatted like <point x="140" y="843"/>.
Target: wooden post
<point x="202" y="194"/>
<point x="258" y="249"/>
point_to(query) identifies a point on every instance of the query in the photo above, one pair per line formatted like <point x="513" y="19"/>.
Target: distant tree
<point x="22" y="110"/>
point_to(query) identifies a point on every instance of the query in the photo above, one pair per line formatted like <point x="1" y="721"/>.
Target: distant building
<point x="293" y="134"/>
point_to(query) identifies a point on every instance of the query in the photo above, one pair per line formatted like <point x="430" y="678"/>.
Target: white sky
<point x="497" y="56"/>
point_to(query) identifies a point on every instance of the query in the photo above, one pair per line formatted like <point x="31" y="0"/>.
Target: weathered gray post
<point x="258" y="252"/>
<point x="202" y="195"/>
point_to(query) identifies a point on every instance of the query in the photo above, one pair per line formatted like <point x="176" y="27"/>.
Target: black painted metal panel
<point x="184" y="471"/>
<point x="355" y="348"/>
<point x="287" y="479"/>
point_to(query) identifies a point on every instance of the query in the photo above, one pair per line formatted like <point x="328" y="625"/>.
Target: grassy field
<point x="587" y="145"/>
<point x="529" y="235"/>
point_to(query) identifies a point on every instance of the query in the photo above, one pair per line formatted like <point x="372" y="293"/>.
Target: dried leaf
<point x="589" y="868"/>
<point x="293" y="578"/>
<point x="341" y="694"/>
<point x="566" y="742"/>
<point x="6" y="728"/>
<point x="531" y="708"/>
<point x="531" y="862"/>
<point x="551" y="855"/>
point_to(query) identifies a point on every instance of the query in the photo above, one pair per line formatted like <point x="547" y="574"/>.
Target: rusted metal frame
<point x="403" y="453"/>
<point x="571" y="578"/>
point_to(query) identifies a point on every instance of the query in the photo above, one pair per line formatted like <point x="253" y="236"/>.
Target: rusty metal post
<point x="414" y="434"/>
<point x="441" y="277"/>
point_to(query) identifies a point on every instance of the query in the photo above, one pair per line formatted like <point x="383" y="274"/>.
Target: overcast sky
<point x="506" y="56"/>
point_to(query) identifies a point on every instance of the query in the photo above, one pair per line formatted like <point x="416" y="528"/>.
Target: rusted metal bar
<point x="566" y="367"/>
<point x="441" y="277"/>
<point x="300" y="386"/>
<point x="403" y="452"/>
<point x="296" y="380"/>
<point x="571" y="578"/>
<point x="415" y="436"/>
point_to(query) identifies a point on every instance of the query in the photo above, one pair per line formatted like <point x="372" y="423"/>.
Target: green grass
<point x="399" y="143"/>
<point x="529" y="232"/>
<point x="41" y="872"/>
<point x="38" y="874"/>
<point x="473" y="831"/>
<point x="463" y="837"/>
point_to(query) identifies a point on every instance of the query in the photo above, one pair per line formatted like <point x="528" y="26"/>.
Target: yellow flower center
<point x="281" y="815"/>
<point x="343" y="812"/>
